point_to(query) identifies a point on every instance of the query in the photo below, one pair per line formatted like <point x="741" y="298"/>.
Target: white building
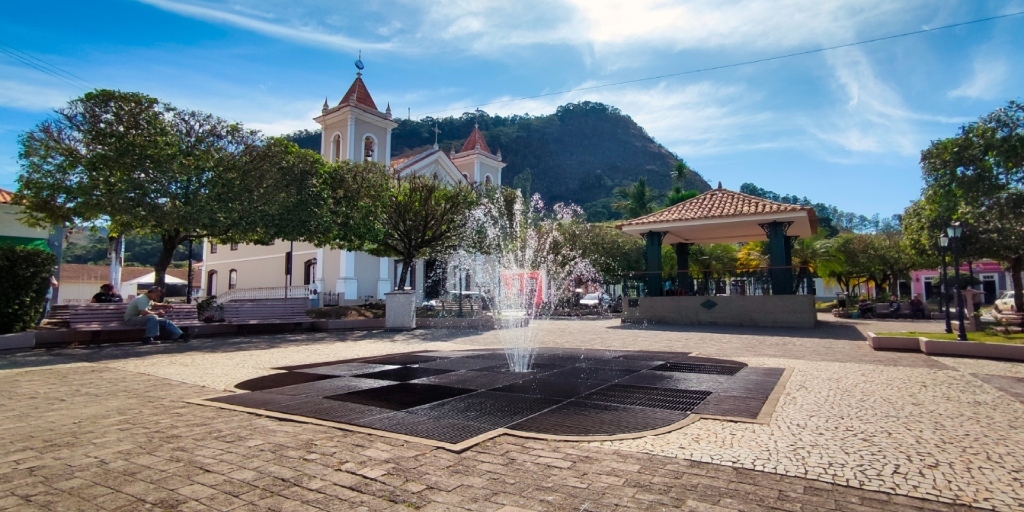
<point x="354" y="129"/>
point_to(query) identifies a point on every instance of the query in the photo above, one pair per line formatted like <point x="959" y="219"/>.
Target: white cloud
<point x="31" y="96"/>
<point x="990" y="73"/>
<point x="295" y="30"/>
<point x="874" y="119"/>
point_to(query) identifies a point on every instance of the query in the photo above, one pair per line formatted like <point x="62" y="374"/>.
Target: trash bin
<point x="841" y="300"/>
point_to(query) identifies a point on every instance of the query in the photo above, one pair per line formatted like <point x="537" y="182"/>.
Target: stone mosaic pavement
<point x="107" y="429"/>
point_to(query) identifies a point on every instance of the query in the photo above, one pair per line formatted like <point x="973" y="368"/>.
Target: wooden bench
<point x="266" y="313"/>
<point x="59" y="315"/>
<point x="453" y="305"/>
<point x="882" y="311"/>
<point x="99" y="318"/>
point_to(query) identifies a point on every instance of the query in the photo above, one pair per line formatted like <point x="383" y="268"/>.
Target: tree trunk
<point x="1016" y="266"/>
<point x="115" y="251"/>
<point x="406" y="262"/>
<point x="170" y="244"/>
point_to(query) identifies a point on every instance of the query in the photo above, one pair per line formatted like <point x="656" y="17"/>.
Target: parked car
<point x="594" y="300"/>
<point x="1005" y="303"/>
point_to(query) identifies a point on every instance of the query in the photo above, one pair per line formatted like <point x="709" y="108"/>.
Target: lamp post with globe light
<point x="943" y="301"/>
<point x="955" y="232"/>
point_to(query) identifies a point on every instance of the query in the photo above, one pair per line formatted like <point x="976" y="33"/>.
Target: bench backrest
<point x="90" y="314"/>
<point x="241" y="311"/>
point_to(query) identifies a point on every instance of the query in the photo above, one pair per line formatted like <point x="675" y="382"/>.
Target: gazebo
<point x="723" y="216"/>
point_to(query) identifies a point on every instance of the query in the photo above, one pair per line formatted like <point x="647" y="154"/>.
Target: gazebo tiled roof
<point x="716" y="203"/>
<point x="721" y="215"/>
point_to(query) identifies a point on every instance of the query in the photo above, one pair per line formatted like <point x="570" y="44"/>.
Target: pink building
<point x="994" y="280"/>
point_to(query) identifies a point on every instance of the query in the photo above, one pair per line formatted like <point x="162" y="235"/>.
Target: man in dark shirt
<point x="107" y="295"/>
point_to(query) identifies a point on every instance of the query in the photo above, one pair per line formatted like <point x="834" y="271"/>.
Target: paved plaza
<point x="109" y="428"/>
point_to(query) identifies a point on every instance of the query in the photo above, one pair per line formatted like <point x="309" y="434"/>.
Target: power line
<point x="733" y="65"/>
<point x="45" y="67"/>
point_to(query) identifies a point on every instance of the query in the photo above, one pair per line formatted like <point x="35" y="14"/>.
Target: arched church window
<point x="369" y="148"/>
<point x="336" y="148"/>
<point x="232" y="279"/>
<point x="309" y="271"/>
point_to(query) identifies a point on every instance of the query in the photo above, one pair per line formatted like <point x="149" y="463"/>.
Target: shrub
<point x="25" y="274"/>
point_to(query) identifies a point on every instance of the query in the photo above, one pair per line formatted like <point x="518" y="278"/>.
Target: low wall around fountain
<point x="746" y="310"/>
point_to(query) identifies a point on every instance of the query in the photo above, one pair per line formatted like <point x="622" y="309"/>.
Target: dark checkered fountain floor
<point x="452" y="397"/>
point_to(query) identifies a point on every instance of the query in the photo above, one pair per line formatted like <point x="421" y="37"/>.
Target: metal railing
<point x="789" y="281"/>
<point x="274" y="292"/>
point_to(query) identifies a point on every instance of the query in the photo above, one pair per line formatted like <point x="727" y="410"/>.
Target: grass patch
<point x="979" y="337"/>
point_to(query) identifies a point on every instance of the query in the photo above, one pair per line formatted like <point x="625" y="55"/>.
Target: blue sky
<point x="844" y="127"/>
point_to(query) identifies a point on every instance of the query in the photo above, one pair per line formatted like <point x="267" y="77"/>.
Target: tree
<point x="977" y="178"/>
<point x="680" y="172"/>
<point x="422" y="217"/>
<point x="636" y="200"/>
<point x="135" y="165"/>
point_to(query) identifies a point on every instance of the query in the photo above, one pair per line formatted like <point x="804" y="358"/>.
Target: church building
<point x="353" y="129"/>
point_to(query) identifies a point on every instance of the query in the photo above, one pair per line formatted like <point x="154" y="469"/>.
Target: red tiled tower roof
<point x="358" y="94"/>
<point x="475" y="141"/>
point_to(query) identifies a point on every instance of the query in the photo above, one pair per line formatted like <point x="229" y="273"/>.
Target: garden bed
<point x="346" y="313"/>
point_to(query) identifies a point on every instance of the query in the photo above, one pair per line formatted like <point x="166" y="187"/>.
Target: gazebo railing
<point x="717" y="282"/>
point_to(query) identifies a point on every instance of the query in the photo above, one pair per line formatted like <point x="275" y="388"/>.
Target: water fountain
<point x="521" y="259"/>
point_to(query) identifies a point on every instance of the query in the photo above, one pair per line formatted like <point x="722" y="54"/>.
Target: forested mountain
<point x="578" y="154"/>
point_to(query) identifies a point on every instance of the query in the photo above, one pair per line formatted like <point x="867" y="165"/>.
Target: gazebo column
<point x="780" y="250"/>
<point x="653" y="253"/>
<point x="683" y="279"/>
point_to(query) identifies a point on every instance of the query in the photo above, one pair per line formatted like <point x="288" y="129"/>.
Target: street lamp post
<point x="955" y="232"/>
<point x="943" y="302"/>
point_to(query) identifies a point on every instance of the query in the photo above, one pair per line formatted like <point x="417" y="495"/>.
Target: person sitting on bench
<point x="142" y="312"/>
<point x="866" y="308"/>
<point x="894" y="306"/>
<point x="917" y="307"/>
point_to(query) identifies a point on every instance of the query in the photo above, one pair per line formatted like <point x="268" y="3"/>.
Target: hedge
<point x="25" y="276"/>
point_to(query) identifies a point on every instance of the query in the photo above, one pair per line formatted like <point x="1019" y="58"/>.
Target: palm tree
<point x="636" y="200"/>
<point x="808" y="253"/>
<point x="678" y="194"/>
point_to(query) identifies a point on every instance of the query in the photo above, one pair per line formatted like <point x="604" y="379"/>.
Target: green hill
<point x="578" y="154"/>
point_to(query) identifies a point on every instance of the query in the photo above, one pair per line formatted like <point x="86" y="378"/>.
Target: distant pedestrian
<point x="50" y="286"/>
<point x="917" y="307"/>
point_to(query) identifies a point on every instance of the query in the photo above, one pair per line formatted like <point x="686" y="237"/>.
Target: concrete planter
<point x="948" y="348"/>
<point x="400" y="314"/>
<point x="968" y="349"/>
<point x="361" y="323"/>
<point x="893" y="342"/>
<point x="745" y="310"/>
<point x="18" y="340"/>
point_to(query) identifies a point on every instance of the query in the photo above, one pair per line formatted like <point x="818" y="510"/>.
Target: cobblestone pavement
<point x="106" y="429"/>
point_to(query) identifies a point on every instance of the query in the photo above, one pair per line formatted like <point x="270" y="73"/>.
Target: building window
<point x="336" y="149"/>
<point x="232" y="279"/>
<point x="369" y="148"/>
<point x="410" y="279"/>
<point x="309" y="272"/>
<point x="211" y="283"/>
<point x="213" y="248"/>
<point x="234" y="247"/>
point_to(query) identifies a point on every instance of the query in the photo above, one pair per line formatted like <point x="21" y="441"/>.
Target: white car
<point x="595" y="299"/>
<point x="1005" y="303"/>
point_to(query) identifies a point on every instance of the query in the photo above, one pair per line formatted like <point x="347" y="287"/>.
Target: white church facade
<point x="354" y="129"/>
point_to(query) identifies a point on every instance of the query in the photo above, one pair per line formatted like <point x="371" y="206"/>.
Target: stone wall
<point x="749" y="310"/>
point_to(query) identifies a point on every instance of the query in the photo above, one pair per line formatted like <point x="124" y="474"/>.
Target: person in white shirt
<point x="142" y="312"/>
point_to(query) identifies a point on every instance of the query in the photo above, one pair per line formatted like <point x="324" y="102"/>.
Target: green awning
<point x="18" y="241"/>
